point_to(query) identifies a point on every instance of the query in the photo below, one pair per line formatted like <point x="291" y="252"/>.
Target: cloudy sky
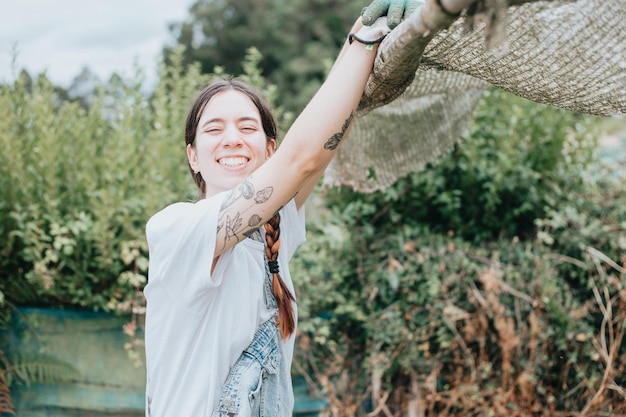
<point x="61" y="37"/>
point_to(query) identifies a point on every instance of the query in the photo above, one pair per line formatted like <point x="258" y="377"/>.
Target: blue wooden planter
<point x="305" y="406"/>
<point x="93" y="343"/>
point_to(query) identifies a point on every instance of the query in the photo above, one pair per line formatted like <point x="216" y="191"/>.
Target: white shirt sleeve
<point x="181" y="240"/>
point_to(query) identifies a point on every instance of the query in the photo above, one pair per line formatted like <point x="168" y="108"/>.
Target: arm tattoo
<point x="250" y="232"/>
<point x="255" y="220"/>
<point x="232" y="223"/>
<point x="245" y="190"/>
<point x="232" y="226"/>
<point x="334" y="140"/>
<point x="263" y="195"/>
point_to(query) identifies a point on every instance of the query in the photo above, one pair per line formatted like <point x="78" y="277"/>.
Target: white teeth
<point x="233" y="162"/>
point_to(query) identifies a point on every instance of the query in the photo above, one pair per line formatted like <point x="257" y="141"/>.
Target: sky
<point x="61" y="37"/>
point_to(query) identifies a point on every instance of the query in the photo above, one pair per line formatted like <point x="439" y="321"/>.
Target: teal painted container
<point x="93" y="343"/>
<point x="305" y="405"/>
<point x="110" y="383"/>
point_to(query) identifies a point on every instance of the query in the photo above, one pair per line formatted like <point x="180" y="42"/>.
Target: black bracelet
<point x="352" y="37"/>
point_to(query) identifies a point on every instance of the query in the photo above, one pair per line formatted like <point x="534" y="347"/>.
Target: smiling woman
<point x="108" y="37"/>
<point x="221" y="312"/>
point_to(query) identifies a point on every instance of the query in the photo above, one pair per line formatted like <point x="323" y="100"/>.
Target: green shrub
<point x="423" y="299"/>
<point x="68" y="203"/>
<point x="78" y="183"/>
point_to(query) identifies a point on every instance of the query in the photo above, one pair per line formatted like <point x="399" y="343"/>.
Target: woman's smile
<point x="233" y="161"/>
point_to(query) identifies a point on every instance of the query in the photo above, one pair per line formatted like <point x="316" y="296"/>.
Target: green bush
<point x="488" y="284"/>
<point x="79" y="183"/>
<point x="68" y="202"/>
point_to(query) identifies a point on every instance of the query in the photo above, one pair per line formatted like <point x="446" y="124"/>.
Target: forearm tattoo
<point x="245" y="190"/>
<point x="263" y="195"/>
<point x="231" y="226"/>
<point x="254" y="221"/>
<point x="334" y="140"/>
<point x="231" y="221"/>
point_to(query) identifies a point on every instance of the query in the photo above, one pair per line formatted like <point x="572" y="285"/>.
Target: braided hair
<point x="284" y="298"/>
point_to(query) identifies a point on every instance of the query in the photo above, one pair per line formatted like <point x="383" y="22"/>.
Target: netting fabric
<point x="569" y="54"/>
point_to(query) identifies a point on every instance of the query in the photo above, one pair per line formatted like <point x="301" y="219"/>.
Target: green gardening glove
<point x="395" y="10"/>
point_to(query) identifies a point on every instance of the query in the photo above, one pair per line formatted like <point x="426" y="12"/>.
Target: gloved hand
<point x="371" y="34"/>
<point x="395" y="10"/>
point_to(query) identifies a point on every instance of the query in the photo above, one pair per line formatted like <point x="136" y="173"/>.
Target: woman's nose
<point x="231" y="137"/>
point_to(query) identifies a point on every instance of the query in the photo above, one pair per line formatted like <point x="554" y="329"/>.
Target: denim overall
<point x="259" y="383"/>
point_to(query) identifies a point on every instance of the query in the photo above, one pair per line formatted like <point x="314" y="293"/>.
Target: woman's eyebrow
<point x="248" y="119"/>
<point x="239" y="120"/>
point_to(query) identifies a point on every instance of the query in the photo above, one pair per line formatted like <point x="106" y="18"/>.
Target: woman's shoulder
<point x="176" y="215"/>
<point x="171" y="211"/>
<point x="185" y="212"/>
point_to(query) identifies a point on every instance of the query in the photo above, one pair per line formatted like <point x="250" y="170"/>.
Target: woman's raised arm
<point x="308" y="146"/>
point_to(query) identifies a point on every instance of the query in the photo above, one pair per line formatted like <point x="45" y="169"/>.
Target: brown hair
<point x="284" y="298"/>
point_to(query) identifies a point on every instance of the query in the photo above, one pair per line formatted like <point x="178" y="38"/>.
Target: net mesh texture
<point x="569" y="54"/>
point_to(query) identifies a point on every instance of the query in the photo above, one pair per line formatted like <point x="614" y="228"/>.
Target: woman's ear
<point x="271" y="148"/>
<point x="192" y="157"/>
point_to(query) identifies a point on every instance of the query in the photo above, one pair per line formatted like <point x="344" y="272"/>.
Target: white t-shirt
<point x="197" y="324"/>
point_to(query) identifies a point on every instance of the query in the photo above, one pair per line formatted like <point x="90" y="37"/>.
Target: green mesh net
<point x="427" y="83"/>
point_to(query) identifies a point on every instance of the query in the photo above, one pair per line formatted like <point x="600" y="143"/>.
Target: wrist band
<point x="352" y="37"/>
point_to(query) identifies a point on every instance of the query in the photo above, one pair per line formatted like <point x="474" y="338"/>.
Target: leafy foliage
<point x="78" y="185"/>
<point x="435" y="296"/>
<point x="42" y="369"/>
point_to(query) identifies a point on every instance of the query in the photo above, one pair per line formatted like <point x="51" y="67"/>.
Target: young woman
<point x="221" y="312"/>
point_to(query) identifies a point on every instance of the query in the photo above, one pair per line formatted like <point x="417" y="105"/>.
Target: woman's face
<point x="230" y="143"/>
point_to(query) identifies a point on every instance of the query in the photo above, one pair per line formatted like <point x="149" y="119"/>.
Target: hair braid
<point x="284" y="298"/>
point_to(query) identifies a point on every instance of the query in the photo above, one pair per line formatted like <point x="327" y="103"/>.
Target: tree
<point x="83" y="87"/>
<point x="297" y="39"/>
